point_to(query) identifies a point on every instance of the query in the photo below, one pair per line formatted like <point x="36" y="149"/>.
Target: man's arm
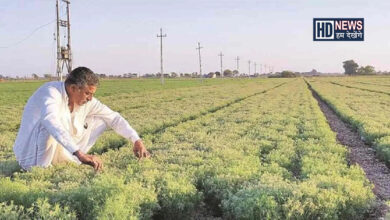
<point x="91" y="160"/>
<point x="140" y="150"/>
<point x="51" y="104"/>
<point x="119" y="125"/>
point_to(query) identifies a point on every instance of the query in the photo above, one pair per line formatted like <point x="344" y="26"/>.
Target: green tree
<point x="369" y="70"/>
<point x="288" y="74"/>
<point x="313" y="72"/>
<point x="350" y="67"/>
<point x="360" y="70"/>
<point x="227" y="73"/>
<point x="35" y="76"/>
<point x="236" y="72"/>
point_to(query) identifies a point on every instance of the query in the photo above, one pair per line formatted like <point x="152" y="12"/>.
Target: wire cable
<point x="31" y="33"/>
<point x="28" y="36"/>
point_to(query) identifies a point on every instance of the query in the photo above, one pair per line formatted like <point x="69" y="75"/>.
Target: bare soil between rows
<point x="364" y="155"/>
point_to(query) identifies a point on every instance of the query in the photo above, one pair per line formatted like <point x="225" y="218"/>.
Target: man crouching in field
<point x="62" y="121"/>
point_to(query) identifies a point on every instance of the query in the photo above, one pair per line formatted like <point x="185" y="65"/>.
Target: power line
<point x="30" y="35"/>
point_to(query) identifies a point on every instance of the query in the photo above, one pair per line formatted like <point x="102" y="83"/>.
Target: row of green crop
<point x="269" y="156"/>
<point x="238" y="89"/>
<point x="380" y="84"/>
<point x="14" y="95"/>
<point x="133" y="104"/>
<point x="146" y="111"/>
<point x="304" y="174"/>
<point x="368" y="112"/>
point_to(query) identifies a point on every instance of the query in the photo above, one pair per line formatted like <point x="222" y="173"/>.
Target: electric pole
<point x="265" y="68"/>
<point x="64" y="53"/>
<point x="238" y="64"/>
<point x="221" y="55"/>
<point x="200" y="62"/>
<point x="255" y="67"/>
<point x="249" y="66"/>
<point x="161" y="55"/>
<point x="261" y="68"/>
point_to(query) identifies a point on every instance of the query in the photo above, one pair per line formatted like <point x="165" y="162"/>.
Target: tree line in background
<point x="350" y="67"/>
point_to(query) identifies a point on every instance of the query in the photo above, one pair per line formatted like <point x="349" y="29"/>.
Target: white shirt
<point x="48" y="108"/>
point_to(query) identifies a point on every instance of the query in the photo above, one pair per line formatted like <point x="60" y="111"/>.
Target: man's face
<point x="82" y="95"/>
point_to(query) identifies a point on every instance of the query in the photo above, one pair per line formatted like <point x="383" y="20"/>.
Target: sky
<point x="120" y="36"/>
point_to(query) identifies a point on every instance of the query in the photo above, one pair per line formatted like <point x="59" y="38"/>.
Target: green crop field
<point x="239" y="148"/>
<point x="365" y="103"/>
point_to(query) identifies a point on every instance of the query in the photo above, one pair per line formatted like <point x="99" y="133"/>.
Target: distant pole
<point x="265" y="68"/>
<point x="261" y="68"/>
<point x="200" y="62"/>
<point x="238" y="64"/>
<point x="255" y="67"/>
<point x="161" y="54"/>
<point x="249" y="67"/>
<point x="221" y="55"/>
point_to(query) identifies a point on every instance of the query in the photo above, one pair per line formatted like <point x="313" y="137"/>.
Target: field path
<point x="361" y="153"/>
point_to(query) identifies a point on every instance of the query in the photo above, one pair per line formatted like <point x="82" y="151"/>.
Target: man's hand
<point x="91" y="160"/>
<point x="140" y="150"/>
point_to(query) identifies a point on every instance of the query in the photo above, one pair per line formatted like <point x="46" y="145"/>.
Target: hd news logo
<point x="338" y="29"/>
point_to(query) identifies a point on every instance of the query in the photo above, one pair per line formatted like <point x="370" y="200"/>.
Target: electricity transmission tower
<point x="221" y="55"/>
<point x="161" y="54"/>
<point x="64" y="52"/>
<point x="200" y="62"/>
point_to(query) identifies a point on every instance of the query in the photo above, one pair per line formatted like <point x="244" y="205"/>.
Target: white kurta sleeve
<point x="51" y="107"/>
<point x="113" y="120"/>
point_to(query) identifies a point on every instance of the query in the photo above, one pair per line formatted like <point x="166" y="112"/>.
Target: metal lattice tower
<point x="161" y="54"/>
<point x="64" y="52"/>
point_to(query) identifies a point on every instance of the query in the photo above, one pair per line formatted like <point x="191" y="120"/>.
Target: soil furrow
<point x="360" y="153"/>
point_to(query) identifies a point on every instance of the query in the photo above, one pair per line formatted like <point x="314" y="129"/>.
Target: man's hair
<point x="82" y="76"/>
